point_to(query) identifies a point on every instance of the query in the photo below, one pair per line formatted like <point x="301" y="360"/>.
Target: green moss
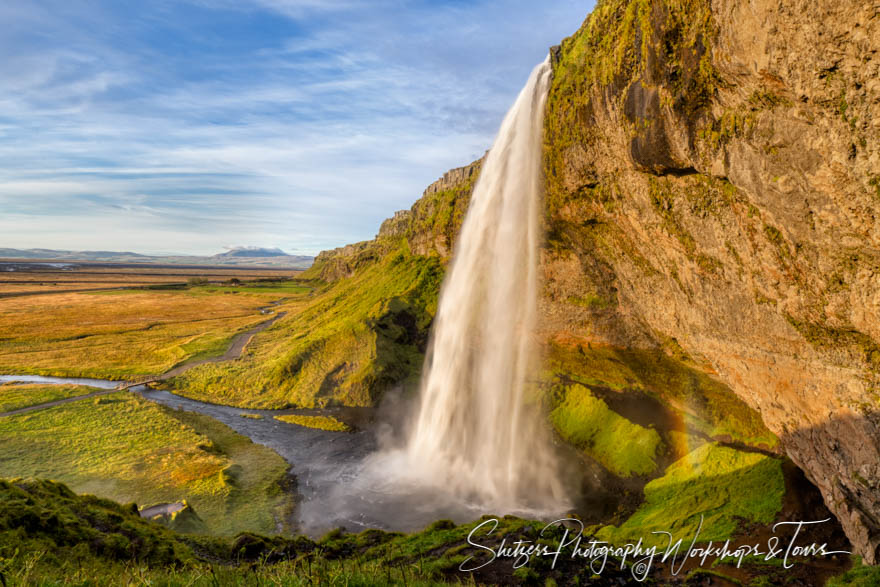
<point x="861" y="575"/>
<point x="875" y="183"/>
<point x="731" y="124"/>
<point x="671" y="376"/>
<point x="723" y="485"/>
<point x="612" y="49"/>
<point x="709" y="264"/>
<point x="585" y="421"/>
<point x="328" y="423"/>
<point x="838" y="340"/>
<point x="591" y="301"/>
<point x="663" y="201"/>
<point x="46" y="518"/>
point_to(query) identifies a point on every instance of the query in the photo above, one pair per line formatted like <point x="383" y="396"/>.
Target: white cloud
<point x="304" y="140"/>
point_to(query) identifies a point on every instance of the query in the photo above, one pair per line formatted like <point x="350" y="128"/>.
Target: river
<point x="335" y="486"/>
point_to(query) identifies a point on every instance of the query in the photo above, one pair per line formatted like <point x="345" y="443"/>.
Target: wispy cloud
<point x="184" y="126"/>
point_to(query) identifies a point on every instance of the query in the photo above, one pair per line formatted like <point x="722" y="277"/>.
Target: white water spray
<point x="475" y="437"/>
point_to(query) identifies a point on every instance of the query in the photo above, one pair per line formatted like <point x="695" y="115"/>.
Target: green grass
<point x="122" y="447"/>
<point x="669" y="375"/>
<point x="860" y="575"/>
<point x="328" y="423"/>
<point x="48" y="535"/>
<point x="356" y="337"/>
<point x="724" y="485"/>
<point x="624" y="448"/>
<point x="14" y="396"/>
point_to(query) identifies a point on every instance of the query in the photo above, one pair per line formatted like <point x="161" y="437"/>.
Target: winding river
<point x="334" y="484"/>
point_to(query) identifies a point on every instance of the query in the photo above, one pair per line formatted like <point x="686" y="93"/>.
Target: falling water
<point x="475" y="434"/>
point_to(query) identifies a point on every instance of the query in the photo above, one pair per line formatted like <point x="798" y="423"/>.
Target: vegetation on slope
<point x="714" y="488"/>
<point x="704" y="404"/>
<point x="354" y="338"/>
<point x="125" y="448"/>
<point x="49" y="535"/>
<point x="585" y="421"/>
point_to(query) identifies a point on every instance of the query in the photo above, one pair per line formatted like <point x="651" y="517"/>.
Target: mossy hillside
<point x="708" y="406"/>
<point x="16" y="396"/>
<point x="621" y="446"/>
<point x="354" y="338"/>
<point x="44" y="525"/>
<point x="727" y="487"/>
<point x="48" y="535"/>
<point x="861" y="575"/>
<point x="126" y="448"/>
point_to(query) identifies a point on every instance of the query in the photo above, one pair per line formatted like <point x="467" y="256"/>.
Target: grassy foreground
<point x="51" y="536"/>
<point x="123" y="447"/>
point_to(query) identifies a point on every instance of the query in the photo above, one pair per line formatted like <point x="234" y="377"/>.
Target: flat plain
<point x="162" y="317"/>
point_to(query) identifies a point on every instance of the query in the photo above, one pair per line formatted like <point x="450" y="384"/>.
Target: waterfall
<point x="475" y="434"/>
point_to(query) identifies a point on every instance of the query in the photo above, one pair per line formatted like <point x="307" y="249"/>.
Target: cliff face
<point x="712" y="197"/>
<point x="713" y="181"/>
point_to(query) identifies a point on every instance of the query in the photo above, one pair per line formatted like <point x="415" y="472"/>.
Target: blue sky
<point x="189" y="126"/>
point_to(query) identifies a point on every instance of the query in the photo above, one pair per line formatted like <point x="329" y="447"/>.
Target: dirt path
<point x="236" y="349"/>
<point x="57" y="402"/>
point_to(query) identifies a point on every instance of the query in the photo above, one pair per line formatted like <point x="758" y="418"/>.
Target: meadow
<point x="45" y="279"/>
<point x="131" y="333"/>
<point x="123" y="447"/>
<point x="15" y="396"/>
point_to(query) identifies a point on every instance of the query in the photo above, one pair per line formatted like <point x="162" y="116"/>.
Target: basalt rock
<point x="713" y="177"/>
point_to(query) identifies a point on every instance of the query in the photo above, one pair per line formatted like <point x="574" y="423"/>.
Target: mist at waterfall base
<point x="475" y="442"/>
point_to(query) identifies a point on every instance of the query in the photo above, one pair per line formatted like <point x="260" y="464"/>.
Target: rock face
<point x="713" y="178"/>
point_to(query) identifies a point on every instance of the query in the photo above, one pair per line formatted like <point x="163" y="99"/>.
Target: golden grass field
<point x="130" y="333"/>
<point x="108" y="277"/>
<point x="16" y="396"/>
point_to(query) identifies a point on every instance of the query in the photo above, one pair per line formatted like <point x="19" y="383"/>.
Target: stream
<point x="334" y="485"/>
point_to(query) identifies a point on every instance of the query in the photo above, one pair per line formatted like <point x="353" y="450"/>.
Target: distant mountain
<point x="56" y="254"/>
<point x="242" y="256"/>
<point x="251" y="252"/>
